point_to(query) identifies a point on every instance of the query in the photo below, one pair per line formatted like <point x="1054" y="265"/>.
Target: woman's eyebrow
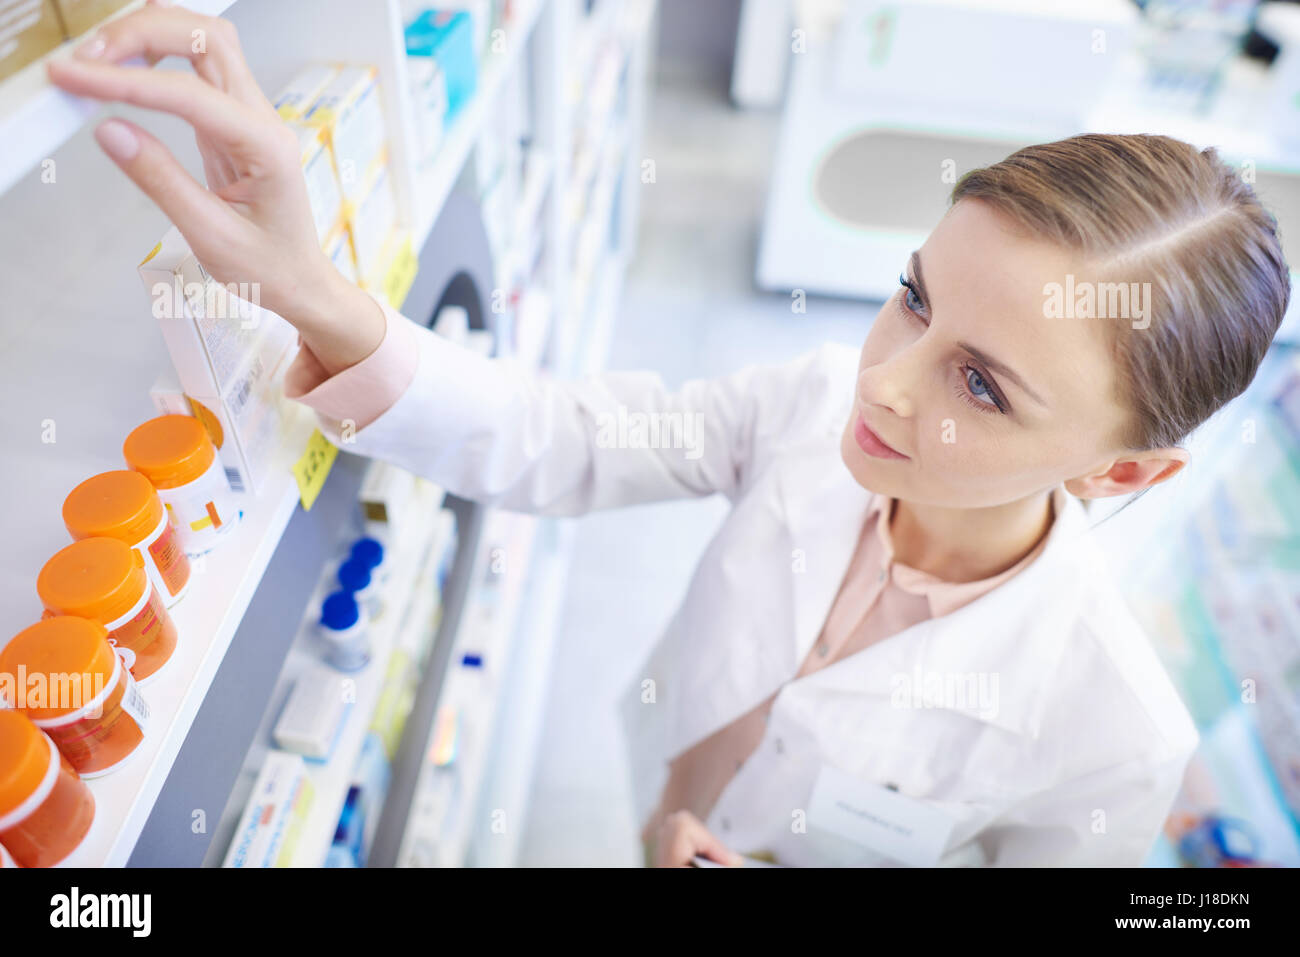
<point x="993" y="364"/>
<point x="998" y="367"/>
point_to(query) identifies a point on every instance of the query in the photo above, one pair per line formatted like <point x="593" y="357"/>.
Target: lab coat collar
<point x="1016" y="631"/>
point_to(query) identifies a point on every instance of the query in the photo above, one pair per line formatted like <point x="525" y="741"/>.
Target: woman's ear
<point x="1129" y="474"/>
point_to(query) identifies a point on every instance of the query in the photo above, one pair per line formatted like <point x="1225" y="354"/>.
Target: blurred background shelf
<point x="245" y="628"/>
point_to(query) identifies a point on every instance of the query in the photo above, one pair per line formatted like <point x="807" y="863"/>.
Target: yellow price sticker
<point x="401" y="273"/>
<point x="314" y="467"/>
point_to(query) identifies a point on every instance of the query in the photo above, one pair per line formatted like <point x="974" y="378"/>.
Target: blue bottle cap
<point x="340" y="611"/>
<point x="354" y="575"/>
<point x="472" y="660"/>
<point x="368" y="551"/>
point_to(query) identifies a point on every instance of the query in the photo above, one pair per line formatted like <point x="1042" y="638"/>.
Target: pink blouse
<point x="364" y="391"/>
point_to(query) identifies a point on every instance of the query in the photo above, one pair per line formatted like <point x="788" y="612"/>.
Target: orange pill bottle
<point x="123" y="505"/>
<point x="46" y="810"/>
<point x="104" y="580"/>
<point x="66" y="677"/>
<point x="176" y="455"/>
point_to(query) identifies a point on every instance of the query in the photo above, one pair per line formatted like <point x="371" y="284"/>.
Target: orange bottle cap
<point x="24" y="759"/>
<point x="119" y="504"/>
<point x="76" y="650"/>
<point x="98" y="578"/>
<point x="170" y="450"/>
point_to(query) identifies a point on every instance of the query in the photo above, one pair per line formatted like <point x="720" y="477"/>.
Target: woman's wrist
<point x="341" y="323"/>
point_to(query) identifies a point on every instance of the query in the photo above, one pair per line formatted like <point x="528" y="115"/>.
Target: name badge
<point x="899" y="827"/>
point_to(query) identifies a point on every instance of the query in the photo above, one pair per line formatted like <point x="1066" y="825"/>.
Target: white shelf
<point x="434" y="180"/>
<point x="222" y="585"/>
<point x="518" y="255"/>
<point x="446" y="800"/>
<point x="513" y="755"/>
<point x="36" y="118"/>
<point x="330" y="779"/>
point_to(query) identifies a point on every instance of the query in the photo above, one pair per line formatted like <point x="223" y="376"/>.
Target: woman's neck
<point x="968" y="544"/>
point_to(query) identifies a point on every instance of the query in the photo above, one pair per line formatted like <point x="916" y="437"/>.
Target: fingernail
<point x="118" y="140"/>
<point x="92" y="48"/>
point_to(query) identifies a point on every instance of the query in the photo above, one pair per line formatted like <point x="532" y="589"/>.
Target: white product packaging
<point x="272" y="820"/>
<point x="300" y="95"/>
<point x="210" y="329"/>
<point x="338" y="247"/>
<point x="322" y="187"/>
<point x="314" y="714"/>
<point x="429" y="97"/>
<point x="248" y="422"/>
<point x="350" y="115"/>
<point x="372" y="223"/>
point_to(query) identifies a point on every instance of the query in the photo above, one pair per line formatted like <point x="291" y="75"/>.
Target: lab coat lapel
<point x="1014" y="635"/>
<point x="824" y="508"/>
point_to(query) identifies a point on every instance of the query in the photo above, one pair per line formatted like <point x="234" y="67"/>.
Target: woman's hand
<point x="253" y="222"/>
<point x="682" y="836"/>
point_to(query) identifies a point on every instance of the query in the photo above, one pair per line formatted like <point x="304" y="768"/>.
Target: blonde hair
<point x="1155" y="209"/>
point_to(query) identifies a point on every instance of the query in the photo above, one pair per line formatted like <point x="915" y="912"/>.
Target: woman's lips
<point x="871" y="443"/>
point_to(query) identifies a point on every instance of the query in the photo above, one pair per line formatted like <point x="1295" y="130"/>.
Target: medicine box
<point x="386" y="500"/>
<point x="372" y="222"/>
<point x="322" y="187"/>
<point x="28" y="30"/>
<point x="293" y="102"/>
<point x="272" y="821"/>
<point x="447" y="37"/>
<point x="429" y="98"/>
<point x="210" y="329"/>
<point x="248" y="422"/>
<point x="314" y="714"/>
<point x="351" y="118"/>
<point x="338" y="247"/>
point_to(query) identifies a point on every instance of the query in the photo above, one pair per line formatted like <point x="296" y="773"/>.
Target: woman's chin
<point x="869" y="472"/>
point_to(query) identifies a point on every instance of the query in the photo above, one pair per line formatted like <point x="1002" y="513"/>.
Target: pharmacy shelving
<point x="435" y="182"/>
<point x="474" y="811"/>
<point x="521" y="707"/>
<point x="36" y="122"/>
<point x="446" y="808"/>
<point x="1219" y="603"/>
<point x="37" y="118"/>
<point x="223" y="584"/>
<point x="414" y="567"/>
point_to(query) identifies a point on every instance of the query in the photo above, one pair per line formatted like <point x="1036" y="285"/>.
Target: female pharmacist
<point x="902" y="646"/>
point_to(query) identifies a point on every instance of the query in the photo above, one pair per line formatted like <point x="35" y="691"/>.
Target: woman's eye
<point x="977" y="384"/>
<point x="985" y="396"/>
<point x="910" y="299"/>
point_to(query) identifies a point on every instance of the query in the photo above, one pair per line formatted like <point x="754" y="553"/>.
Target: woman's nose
<point x="884" y="387"/>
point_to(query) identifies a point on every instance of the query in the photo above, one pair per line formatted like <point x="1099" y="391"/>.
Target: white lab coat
<point x="1078" y="763"/>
